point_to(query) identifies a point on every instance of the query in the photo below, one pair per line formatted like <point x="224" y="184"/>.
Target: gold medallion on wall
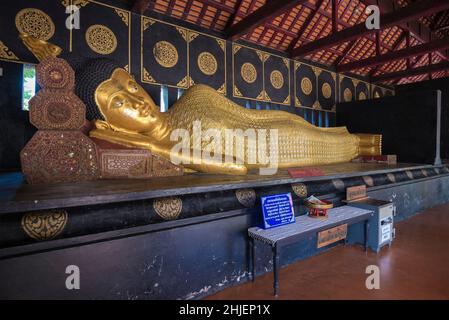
<point x="326" y="89"/>
<point x="101" y="39"/>
<point x="165" y="54"/>
<point x="36" y="23"/>
<point x="248" y="72"/>
<point x="306" y="86"/>
<point x="207" y="63"/>
<point x="44" y="225"/>
<point x="347" y="95"/>
<point x="277" y="79"/>
<point x="168" y="208"/>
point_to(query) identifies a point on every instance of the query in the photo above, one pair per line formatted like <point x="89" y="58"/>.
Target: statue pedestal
<point x="118" y="162"/>
<point x="61" y="150"/>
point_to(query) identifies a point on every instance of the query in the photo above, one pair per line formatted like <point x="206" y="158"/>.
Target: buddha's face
<point x="125" y="105"/>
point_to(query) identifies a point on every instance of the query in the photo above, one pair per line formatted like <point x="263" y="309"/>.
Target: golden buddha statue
<point x="125" y="114"/>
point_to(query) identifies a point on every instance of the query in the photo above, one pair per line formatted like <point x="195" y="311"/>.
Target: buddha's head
<point x="111" y="94"/>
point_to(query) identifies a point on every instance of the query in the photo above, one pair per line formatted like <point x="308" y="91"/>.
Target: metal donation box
<point x="381" y="231"/>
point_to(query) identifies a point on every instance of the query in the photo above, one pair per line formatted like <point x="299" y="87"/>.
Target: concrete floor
<point x="415" y="267"/>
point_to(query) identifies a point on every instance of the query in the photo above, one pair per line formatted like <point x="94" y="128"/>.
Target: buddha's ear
<point x="102" y="125"/>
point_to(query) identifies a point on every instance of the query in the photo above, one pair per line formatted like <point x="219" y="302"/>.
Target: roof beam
<point x="412" y="12"/>
<point x="441" y="44"/>
<point x="306" y="23"/>
<point x="140" y="6"/>
<point x="266" y="13"/>
<point x="412" y="72"/>
<point x="234" y="14"/>
<point x="417" y="28"/>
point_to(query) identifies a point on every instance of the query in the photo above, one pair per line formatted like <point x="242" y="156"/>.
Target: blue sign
<point x="277" y="210"/>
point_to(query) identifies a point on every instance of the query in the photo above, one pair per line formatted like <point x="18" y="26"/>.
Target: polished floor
<point x="415" y="267"/>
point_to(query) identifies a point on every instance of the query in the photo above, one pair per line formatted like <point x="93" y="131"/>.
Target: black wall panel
<point x="248" y="75"/>
<point x="44" y="19"/>
<point x="277" y="79"/>
<point x="104" y="33"/>
<point x="362" y="91"/>
<point x="305" y="85"/>
<point x="207" y="61"/>
<point x="347" y="89"/>
<point x="327" y="90"/>
<point x="164" y="54"/>
<point x="437" y="84"/>
<point x="377" y="92"/>
<point x="408" y="124"/>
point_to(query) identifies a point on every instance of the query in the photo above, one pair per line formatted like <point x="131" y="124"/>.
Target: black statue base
<point x="182" y="237"/>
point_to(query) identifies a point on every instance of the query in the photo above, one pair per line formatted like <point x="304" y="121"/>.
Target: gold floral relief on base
<point x="246" y="197"/>
<point x="300" y="189"/>
<point x="391" y="177"/>
<point x="168" y="208"/>
<point x="368" y="181"/>
<point x="338" y="184"/>
<point x="44" y="225"/>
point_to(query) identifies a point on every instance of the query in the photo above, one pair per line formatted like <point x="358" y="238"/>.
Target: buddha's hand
<point x="104" y="132"/>
<point x="121" y="138"/>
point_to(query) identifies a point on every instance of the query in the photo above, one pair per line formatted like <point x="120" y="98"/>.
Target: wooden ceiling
<point x="331" y="32"/>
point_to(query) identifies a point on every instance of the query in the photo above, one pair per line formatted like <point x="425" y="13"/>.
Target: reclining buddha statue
<point x="125" y="114"/>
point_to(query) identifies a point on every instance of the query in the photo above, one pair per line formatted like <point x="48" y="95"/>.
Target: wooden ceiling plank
<point x="440" y="44"/>
<point x="306" y="23"/>
<point x="411" y="72"/>
<point x="234" y="14"/>
<point x="264" y="14"/>
<point x="384" y="8"/>
<point x="140" y="6"/>
<point x="412" y="12"/>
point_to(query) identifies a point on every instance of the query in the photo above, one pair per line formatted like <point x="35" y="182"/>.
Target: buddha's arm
<point x="144" y="142"/>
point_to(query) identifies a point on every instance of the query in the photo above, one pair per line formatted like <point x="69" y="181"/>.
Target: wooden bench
<point x="304" y="226"/>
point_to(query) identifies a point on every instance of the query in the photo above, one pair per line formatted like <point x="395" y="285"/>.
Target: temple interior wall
<point x="166" y="56"/>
